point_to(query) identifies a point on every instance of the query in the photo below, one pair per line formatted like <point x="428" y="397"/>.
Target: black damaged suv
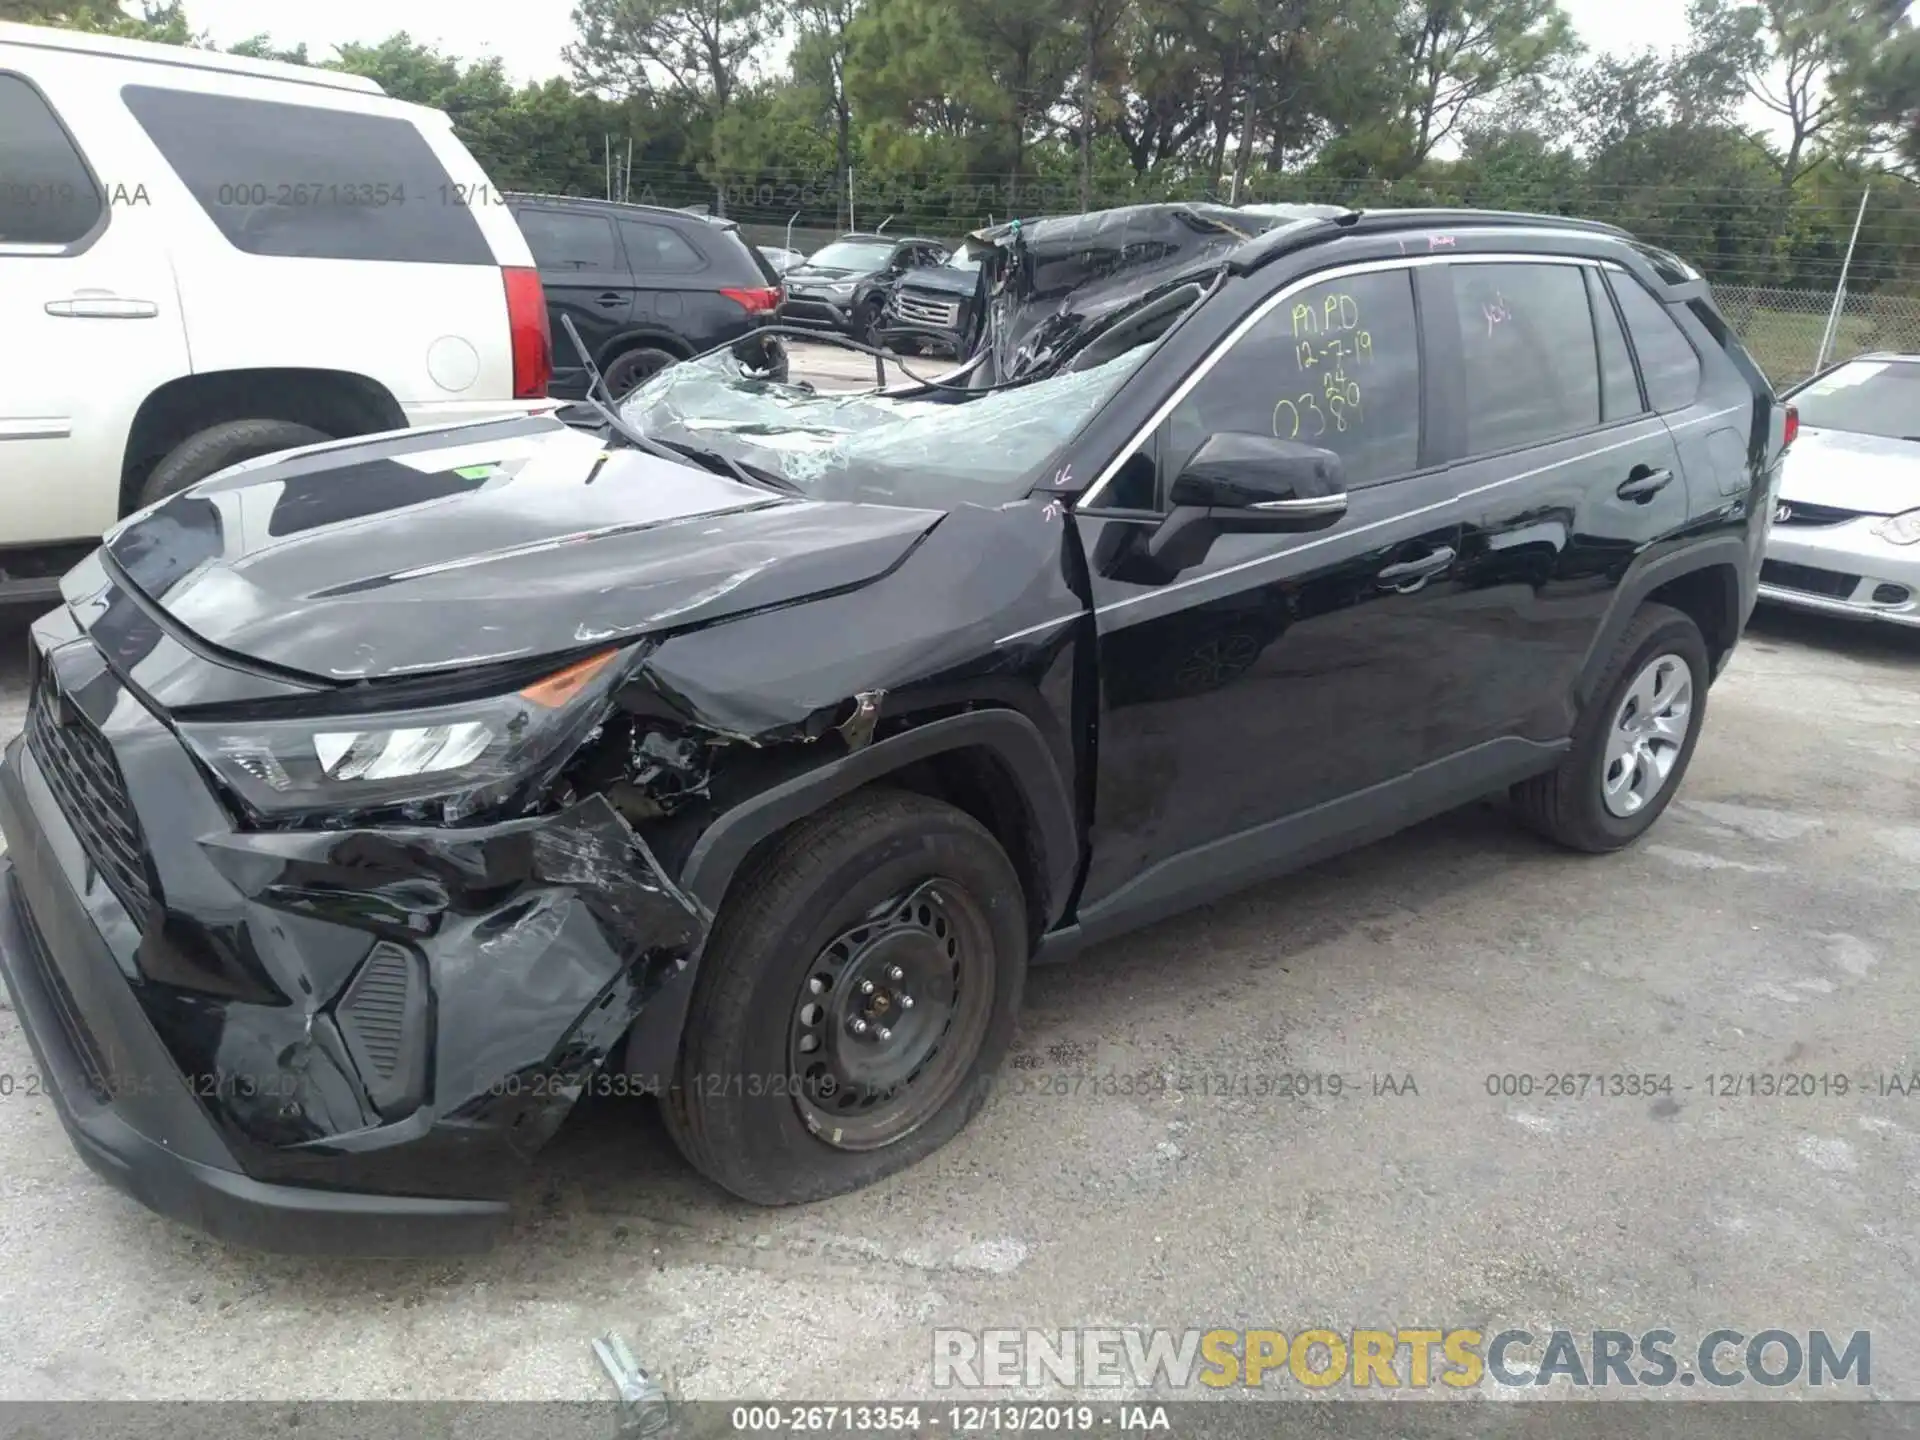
<point x="379" y="800"/>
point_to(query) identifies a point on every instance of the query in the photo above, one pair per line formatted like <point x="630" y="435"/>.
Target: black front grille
<point x="1806" y="578"/>
<point x="1793" y="512"/>
<point x="85" y="780"/>
<point x="93" y="1070"/>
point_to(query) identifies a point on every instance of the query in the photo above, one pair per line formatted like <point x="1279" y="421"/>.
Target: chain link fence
<point x="1783" y="328"/>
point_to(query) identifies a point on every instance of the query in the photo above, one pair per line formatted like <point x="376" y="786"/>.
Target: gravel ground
<point x="1766" y="925"/>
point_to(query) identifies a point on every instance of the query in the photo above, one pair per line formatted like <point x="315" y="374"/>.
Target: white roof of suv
<point x="180" y="57"/>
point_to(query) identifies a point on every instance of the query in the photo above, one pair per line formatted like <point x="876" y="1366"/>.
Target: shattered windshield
<point x="984" y="449"/>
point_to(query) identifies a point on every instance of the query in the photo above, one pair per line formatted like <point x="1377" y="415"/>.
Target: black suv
<point x="844" y="286"/>
<point x="934" y="310"/>
<point x="748" y="751"/>
<point x="644" y="286"/>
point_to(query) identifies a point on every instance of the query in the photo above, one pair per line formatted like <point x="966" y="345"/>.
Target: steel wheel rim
<point x="1648" y="732"/>
<point x="857" y="1087"/>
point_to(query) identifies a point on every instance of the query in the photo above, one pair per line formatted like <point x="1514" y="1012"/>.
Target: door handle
<point x="612" y="298"/>
<point x="99" y="306"/>
<point x="1410" y="575"/>
<point x="1644" y="483"/>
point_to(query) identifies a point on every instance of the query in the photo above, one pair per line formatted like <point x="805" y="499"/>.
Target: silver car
<point x="1846" y="528"/>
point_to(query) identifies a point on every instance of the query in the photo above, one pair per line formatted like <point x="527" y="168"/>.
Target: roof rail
<point x="182" y="57"/>
<point x="684" y="212"/>
<point x="1417" y="218"/>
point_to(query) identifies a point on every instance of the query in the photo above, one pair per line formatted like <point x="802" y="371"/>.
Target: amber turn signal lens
<point x="561" y="686"/>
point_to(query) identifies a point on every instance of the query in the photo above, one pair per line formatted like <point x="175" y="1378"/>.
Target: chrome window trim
<point x="1316" y="541"/>
<point x="1091" y="495"/>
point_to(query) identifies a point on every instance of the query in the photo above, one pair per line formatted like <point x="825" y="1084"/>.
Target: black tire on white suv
<point x="215" y="448"/>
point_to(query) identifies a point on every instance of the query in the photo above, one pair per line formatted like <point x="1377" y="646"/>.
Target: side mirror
<point x="1241" y="482"/>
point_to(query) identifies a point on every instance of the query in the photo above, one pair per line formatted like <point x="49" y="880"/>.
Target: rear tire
<point x="631" y="369"/>
<point x="830" y="902"/>
<point x="212" y="450"/>
<point x="1632" y="743"/>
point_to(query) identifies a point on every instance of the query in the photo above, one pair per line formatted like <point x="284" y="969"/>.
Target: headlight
<point x="1901" y="529"/>
<point x="467" y="757"/>
<point x="846" y="289"/>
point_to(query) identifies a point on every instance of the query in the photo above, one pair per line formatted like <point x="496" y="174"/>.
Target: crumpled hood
<point x="1868" y="473"/>
<point x="942" y="280"/>
<point x="433" y="550"/>
<point x="1052" y="282"/>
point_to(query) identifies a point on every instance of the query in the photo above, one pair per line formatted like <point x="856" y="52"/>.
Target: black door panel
<point x="1547" y="540"/>
<point x="1284" y="672"/>
<point x="586" y="280"/>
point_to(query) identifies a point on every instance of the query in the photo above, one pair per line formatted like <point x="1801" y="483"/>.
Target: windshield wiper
<point x="640" y="440"/>
<point x="744" y="473"/>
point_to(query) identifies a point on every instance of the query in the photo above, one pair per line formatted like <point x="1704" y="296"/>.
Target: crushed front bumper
<point x="1842" y="569"/>
<point x="343" y="1042"/>
<point x="142" y="1131"/>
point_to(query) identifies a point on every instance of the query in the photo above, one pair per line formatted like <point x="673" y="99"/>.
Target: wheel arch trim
<point x="1728" y="553"/>
<point x="1014" y="739"/>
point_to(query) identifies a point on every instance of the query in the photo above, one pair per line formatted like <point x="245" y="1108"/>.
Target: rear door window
<point x="309" y="182"/>
<point x="1668" y="361"/>
<point x="564" y="240"/>
<point x="46" y="195"/>
<point x="1526" y="338"/>
<point x="658" y="249"/>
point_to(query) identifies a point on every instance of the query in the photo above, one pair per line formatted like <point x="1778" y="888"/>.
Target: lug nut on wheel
<point x="895" y="974"/>
<point x="858" y="1026"/>
<point x="866" y="987"/>
<point x="883" y="1033"/>
<point x="906" y="1002"/>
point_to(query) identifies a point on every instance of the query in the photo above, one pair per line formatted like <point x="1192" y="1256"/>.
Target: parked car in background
<point x="1846" y="531"/>
<point x="645" y="286"/>
<point x="781" y="259"/>
<point x="844" y="286"/>
<point x="206" y="258"/>
<point x="374" y="807"/>
<point x="934" y="310"/>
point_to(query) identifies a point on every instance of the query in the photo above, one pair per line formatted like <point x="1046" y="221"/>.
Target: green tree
<point x="692" y="53"/>
<point x="261" y="47"/>
<point x="1802" y="59"/>
<point x="164" y="23"/>
<point x="1457" y="54"/>
<point x="1886" y="91"/>
<point x="823" y="48"/>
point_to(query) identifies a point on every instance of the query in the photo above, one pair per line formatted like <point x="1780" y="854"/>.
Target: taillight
<point x="761" y="300"/>
<point x="532" y="338"/>
<point x="1793" y="425"/>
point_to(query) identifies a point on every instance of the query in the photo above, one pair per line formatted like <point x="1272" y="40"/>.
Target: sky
<point x="528" y="36"/>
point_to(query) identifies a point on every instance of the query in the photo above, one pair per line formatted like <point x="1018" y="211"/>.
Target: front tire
<point x="1632" y="743"/>
<point x="802" y="1074"/>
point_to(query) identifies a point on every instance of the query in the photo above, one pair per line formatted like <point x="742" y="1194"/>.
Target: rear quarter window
<point x="1668" y="362"/>
<point x="46" y="195"/>
<point x="309" y="182"/>
<point x="655" y="249"/>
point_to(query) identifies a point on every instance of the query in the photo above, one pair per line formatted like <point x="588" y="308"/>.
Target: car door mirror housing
<point x="1240" y="483"/>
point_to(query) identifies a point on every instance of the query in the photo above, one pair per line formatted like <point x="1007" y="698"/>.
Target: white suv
<point x="205" y="258"/>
